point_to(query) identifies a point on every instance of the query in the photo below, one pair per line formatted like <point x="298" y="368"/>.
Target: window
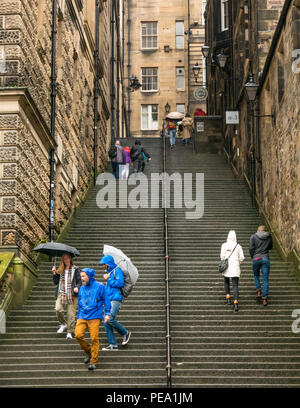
<point x="149" y="79"/>
<point x="280" y="76"/>
<point x="180" y="107"/>
<point x="149" y="119"/>
<point x="61" y="4"/>
<point x="203" y="11"/>
<point x="224" y="15"/>
<point x="2" y="62"/>
<point x="149" y="35"/>
<point x="180" y="79"/>
<point x="179" y="34"/>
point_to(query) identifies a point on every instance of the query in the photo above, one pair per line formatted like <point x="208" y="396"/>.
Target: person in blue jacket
<point x="92" y="297"/>
<point x="115" y="281"/>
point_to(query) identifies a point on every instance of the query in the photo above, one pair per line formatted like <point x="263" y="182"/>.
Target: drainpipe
<point x="117" y="15"/>
<point x="122" y="64"/>
<point x="128" y="66"/>
<point x="188" y="39"/>
<point x="112" y="72"/>
<point x="53" y="100"/>
<point x="96" y="56"/>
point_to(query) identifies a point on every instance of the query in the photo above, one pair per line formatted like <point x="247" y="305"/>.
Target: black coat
<point x="76" y="282"/>
<point x="136" y="153"/>
<point x="260" y="244"/>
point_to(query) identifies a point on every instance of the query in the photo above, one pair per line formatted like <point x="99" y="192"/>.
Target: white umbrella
<point x="122" y="261"/>
<point x="175" y="115"/>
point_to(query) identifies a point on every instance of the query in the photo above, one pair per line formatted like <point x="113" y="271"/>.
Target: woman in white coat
<point x="234" y="250"/>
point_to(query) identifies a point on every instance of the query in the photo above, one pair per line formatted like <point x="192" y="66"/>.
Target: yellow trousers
<point x="93" y="327"/>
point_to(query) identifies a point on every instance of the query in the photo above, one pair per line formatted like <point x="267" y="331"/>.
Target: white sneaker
<point x="69" y="336"/>
<point x="62" y="328"/>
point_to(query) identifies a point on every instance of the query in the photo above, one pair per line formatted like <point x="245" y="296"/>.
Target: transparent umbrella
<point x="122" y="261"/>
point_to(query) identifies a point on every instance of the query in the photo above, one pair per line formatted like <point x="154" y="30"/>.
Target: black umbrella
<point x="56" y="249"/>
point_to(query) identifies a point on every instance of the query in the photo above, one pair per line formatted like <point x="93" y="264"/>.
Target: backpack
<point x="172" y="125"/>
<point x="128" y="285"/>
<point x="112" y="153"/>
<point x="127" y="288"/>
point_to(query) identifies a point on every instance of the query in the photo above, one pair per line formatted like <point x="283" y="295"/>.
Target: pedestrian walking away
<point x="187" y="124"/>
<point x="125" y="167"/>
<point x="260" y="245"/>
<point x="114" y="277"/>
<point x="232" y="251"/>
<point x="118" y="160"/>
<point x="172" y="129"/>
<point x="137" y="154"/>
<point x="92" y="299"/>
<point x="68" y="282"/>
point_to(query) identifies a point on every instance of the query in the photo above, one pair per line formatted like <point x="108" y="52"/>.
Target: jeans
<point x="235" y="286"/>
<point x="262" y="265"/>
<point x="172" y="134"/>
<point x="116" y="167"/>
<point x="114" y="324"/>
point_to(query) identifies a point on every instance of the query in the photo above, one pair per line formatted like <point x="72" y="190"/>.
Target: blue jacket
<point x="91" y="299"/>
<point x="116" y="279"/>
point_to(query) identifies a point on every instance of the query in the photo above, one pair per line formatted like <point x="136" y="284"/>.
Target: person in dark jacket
<point x="115" y="281"/>
<point x="68" y="282"/>
<point x="118" y="160"/>
<point x="137" y="154"/>
<point x="259" y="247"/>
<point x="92" y="299"/>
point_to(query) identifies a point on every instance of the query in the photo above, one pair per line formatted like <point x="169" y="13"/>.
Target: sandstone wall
<point x="25" y="63"/>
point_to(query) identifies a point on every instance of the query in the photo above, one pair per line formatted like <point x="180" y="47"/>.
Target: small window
<point x="179" y="34"/>
<point x="149" y="118"/>
<point x="2" y="62"/>
<point x="180" y="107"/>
<point x="180" y="79"/>
<point x="224" y="15"/>
<point x="149" y="79"/>
<point x="280" y="78"/>
<point x="149" y="35"/>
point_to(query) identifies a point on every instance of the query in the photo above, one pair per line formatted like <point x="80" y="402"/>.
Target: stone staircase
<point x="211" y="345"/>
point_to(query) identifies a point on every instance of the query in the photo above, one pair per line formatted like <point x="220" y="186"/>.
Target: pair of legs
<point x="125" y="171"/>
<point x="66" y="313"/>
<point x="235" y="286"/>
<point x="262" y="265"/>
<point x="172" y="134"/>
<point x="116" y="167"/>
<point x="93" y="327"/>
<point x="113" y="324"/>
<point x="139" y="165"/>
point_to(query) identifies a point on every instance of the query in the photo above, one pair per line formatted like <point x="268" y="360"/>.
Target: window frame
<point x="224" y="6"/>
<point x="177" y="76"/>
<point x="142" y="36"/>
<point x="183" y="104"/>
<point x="150" y="117"/>
<point x="149" y="76"/>
<point x="179" y="35"/>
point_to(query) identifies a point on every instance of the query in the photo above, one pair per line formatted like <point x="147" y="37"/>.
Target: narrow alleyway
<point x="211" y="345"/>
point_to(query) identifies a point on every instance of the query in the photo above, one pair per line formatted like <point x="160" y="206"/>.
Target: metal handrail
<point x="168" y="335"/>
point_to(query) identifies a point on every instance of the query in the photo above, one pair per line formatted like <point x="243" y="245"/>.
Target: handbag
<point x="223" y="265"/>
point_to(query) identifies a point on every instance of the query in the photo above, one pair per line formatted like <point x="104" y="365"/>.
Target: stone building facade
<point x="260" y="39"/>
<point x="158" y="54"/>
<point x="25" y="113"/>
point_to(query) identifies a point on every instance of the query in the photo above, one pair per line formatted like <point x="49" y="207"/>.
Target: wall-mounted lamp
<point x="196" y="70"/>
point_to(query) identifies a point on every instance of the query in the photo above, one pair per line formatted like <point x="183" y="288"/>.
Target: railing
<point x="168" y="335"/>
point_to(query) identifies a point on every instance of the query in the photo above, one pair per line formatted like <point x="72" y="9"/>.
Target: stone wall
<point x="280" y="144"/>
<point x="25" y="64"/>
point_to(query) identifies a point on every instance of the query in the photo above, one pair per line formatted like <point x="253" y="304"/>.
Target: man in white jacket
<point x="232" y="250"/>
